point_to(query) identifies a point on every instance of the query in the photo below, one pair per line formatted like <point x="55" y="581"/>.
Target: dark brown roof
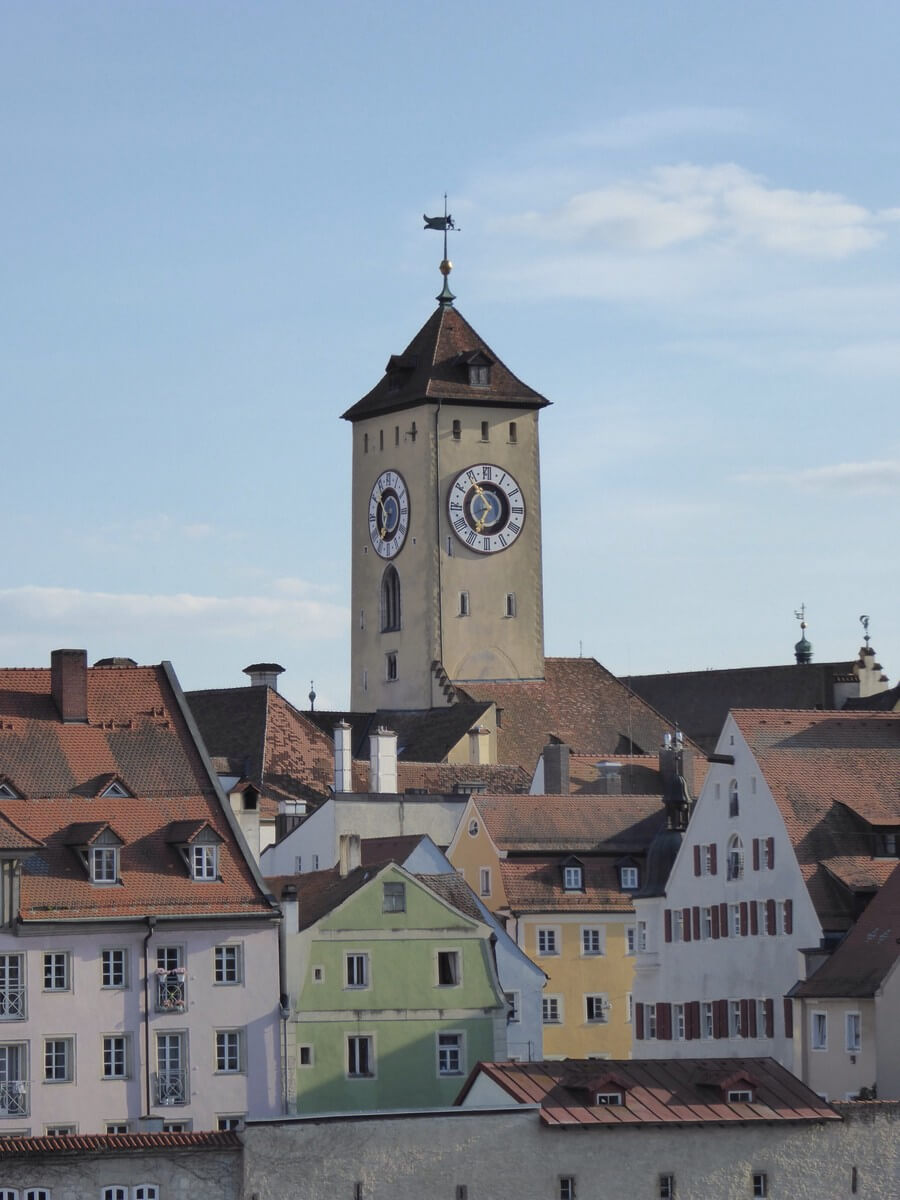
<point x="253" y="732"/>
<point x="14" y="1146"/>
<point x="535" y="885"/>
<point x="454" y="889"/>
<point x="377" y="851"/>
<point x="135" y="731"/>
<point x="862" y="961"/>
<point x="433" y="368"/>
<point x="438" y="778"/>
<point x="699" y="701"/>
<point x="825" y="769"/>
<point x="684" y="1091"/>
<point x="423" y="736"/>
<point x="886" y="701"/>
<point x="622" y="824"/>
<point x="637" y="773"/>
<point x="579" y="702"/>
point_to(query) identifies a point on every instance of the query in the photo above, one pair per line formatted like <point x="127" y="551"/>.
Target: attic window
<point x="628" y="878"/>
<point x="740" y="1096"/>
<point x="609" y="1098"/>
<point x="104" y="864"/>
<point x="114" y="791"/>
<point x="573" y="878"/>
<point x="473" y="828"/>
<point x="479" y="375"/>
<point x="7" y="793"/>
<point x="251" y="799"/>
<point x="204" y="862"/>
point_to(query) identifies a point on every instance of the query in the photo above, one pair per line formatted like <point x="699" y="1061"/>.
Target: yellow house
<point x="562" y="870"/>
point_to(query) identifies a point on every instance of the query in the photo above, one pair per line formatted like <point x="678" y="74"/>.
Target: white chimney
<point x="349" y="853"/>
<point x="264" y="675"/>
<point x="383" y="760"/>
<point x="343" y="764"/>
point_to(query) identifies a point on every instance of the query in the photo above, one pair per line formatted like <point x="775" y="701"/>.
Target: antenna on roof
<point x="864" y="621"/>
<point x="442" y="224"/>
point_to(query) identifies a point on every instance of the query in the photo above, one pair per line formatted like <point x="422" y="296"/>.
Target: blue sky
<point x="681" y="223"/>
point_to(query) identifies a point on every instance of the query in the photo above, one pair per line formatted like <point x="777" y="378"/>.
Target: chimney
<point x="68" y="684"/>
<point x="556" y="769"/>
<point x="290" y="906"/>
<point x="349" y="853"/>
<point x="343" y="766"/>
<point x="264" y="675"/>
<point x="383" y="760"/>
<point x="610" y="776"/>
<point x="479" y="744"/>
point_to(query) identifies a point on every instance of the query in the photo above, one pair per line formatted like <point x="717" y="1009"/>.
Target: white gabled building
<point x="796" y="826"/>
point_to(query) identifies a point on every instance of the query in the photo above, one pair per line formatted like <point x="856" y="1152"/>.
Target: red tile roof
<point x="112" y="1143"/>
<point x="638" y="773"/>
<point x="621" y="824"/>
<point x="862" y="961"/>
<point x="579" y="702"/>
<point x="137" y="733"/>
<point x="432" y="368"/>
<point x="681" y="1091"/>
<point x="535" y="885"/>
<point x="833" y="775"/>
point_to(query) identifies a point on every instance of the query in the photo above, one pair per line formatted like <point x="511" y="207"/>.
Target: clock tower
<point x="446" y="525"/>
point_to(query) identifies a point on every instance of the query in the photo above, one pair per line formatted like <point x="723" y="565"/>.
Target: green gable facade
<point x="395" y="991"/>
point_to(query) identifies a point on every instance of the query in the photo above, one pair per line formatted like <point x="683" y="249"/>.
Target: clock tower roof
<point x="439" y="365"/>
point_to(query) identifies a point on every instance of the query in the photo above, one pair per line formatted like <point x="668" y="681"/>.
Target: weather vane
<point x="442" y="224"/>
<point x="800" y="614"/>
<point x="864" y="621"/>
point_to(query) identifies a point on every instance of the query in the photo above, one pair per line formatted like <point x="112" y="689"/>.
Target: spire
<point x="803" y="648"/>
<point x="445" y="297"/>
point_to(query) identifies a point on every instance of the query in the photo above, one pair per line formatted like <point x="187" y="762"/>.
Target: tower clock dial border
<point x="388" y="514"/>
<point x="486" y="508"/>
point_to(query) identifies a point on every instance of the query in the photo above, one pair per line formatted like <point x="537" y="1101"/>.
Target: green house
<point x="393" y="986"/>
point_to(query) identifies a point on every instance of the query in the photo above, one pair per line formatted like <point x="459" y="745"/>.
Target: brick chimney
<point x="68" y="684"/>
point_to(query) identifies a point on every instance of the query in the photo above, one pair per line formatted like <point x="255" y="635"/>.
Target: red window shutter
<point x="696" y="860"/>
<point x="639" y="1021"/>
<point x="686" y="922"/>
<point x="693" y="1018"/>
<point x="664" y="1020"/>
<point x="788" y="1018"/>
<point x="696" y="911"/>
<point x="745" y="919"/>
<point x="715" y="920"/>
<point x="723" y="919"/>
<point x="771" y="846"/>
<point x="712" y="859"/>
<point x="751" y="1009"/>
<point x="770" y="917"/>
<point x="668" y="923"/>
<point x="756" y="854"/>
<point x="754" y="918"/>
<point x="788" y="916"/>
<point x="745" y="1018"/>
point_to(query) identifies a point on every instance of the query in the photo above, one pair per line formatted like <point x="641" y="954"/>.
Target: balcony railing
<point x="171" y="1087"/>
<point x="12" y="1004"/>
<point x="170" y="991"/>
<point x="14" y="1098"/>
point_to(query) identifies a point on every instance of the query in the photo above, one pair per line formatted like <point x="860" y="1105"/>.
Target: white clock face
<point x="486" y="508"/>
<point x="388" y="514"/>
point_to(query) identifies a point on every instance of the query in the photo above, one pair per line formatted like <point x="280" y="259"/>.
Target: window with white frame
<point x="706" y="923"/>
<point x="116" y="1127"/>
<point x="782" y="908"/>
<point x="762" y="917"/>
<point x="628" y="878"/>
<point x="706" y="859"/>
<point x="171" y="979"/>
<point x="356" y="970"/>
<point x="177" y="1126"/>
<point x="735" y="858"/>
<point x="667" y="1187"/>
<point x="852" y="1032"/>
<point x="171" y="1069"/>
<point x="227" y="964"/>
<point x="629" y="1008"/>
<point x="114" y="968"/>
<point x="393" y="897"/>
<point x="734" y="802"/>
<point x="591" y="940"/>
<point x="551" y="1010"/>
<point x="760" y="1185"/>
<point x="766" y="847"/>
<point x="513" y="1006"/>
<point x="14" y="1085"/>
<point x="59" y="1060"/>
<point x="572" y="878"/>
<point x="642" y="936"/>
<point x="650" y="1021"/>
<point x="484" y="881"/>
<point x="229" y="1051"/>
<point x="225" y="1123"/>
<point x="760" y="1017"/>
<point x="449" y="968"/>
<point x="204" y="862"/>
<point x="678" y="925"/>
<point x="734" y="920"/>
<point x="735" y="1025"/>
<point x="115" y="1056"/>
<point x="596" y="1008"/>
<point x="678" y="1026"/>
<point x="740" y="1096"/>
<point x="818" y="1031"/>
<point x="547" y="941"/>
<point x="450" y="1053"/>
<point x="115" y="1192"/>
<point x="706" y="1019"/>
<point x="57" y="971"/>
<point x="566" y="1187"/>
<point x="55" y="1131"/>
<point x="630" y="939"/>
<point x="360" y="1056"/>
<point x="104" y="864"/>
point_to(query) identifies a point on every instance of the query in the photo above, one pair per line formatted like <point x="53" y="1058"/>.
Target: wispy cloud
<point x="686" y="204"/>
<point x="638" y="129"/>
<point x="877" y="475"/>
<point x="294" y="613"/>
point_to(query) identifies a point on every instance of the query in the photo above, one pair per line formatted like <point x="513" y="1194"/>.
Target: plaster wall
<point x="833" y="1071"/>
<point x="887" y="1006"/>
<point x="178" y="1174"/>
<point x="509" y="1155"/>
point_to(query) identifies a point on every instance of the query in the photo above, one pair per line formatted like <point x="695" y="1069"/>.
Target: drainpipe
<point x="151" y="926"/>
<point x="289" y="910"/>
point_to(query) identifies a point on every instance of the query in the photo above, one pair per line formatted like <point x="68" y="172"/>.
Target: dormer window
<point x="479" y="375"/>
<point x="115" y="791"/>
<point x="609" y="1098"/>
<point x="104" y="864"/>
<point x="198" y="844"/>
<point x="740" y="1096"/>
<point x="204" y="862"/>
<point x="7" y="792"/>
<point x="573" y="877"/>
<point x="629" y="878"/>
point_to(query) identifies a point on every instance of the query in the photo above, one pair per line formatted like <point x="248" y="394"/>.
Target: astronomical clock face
<point x="486" y="508"/>
<point x="388" y="514"/>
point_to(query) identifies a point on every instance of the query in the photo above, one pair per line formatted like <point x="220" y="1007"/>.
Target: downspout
<point x="151" y="926"/>
<point x="284" y="1011"/>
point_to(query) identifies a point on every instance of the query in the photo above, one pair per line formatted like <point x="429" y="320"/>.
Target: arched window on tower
<point x="390" y="599"/>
